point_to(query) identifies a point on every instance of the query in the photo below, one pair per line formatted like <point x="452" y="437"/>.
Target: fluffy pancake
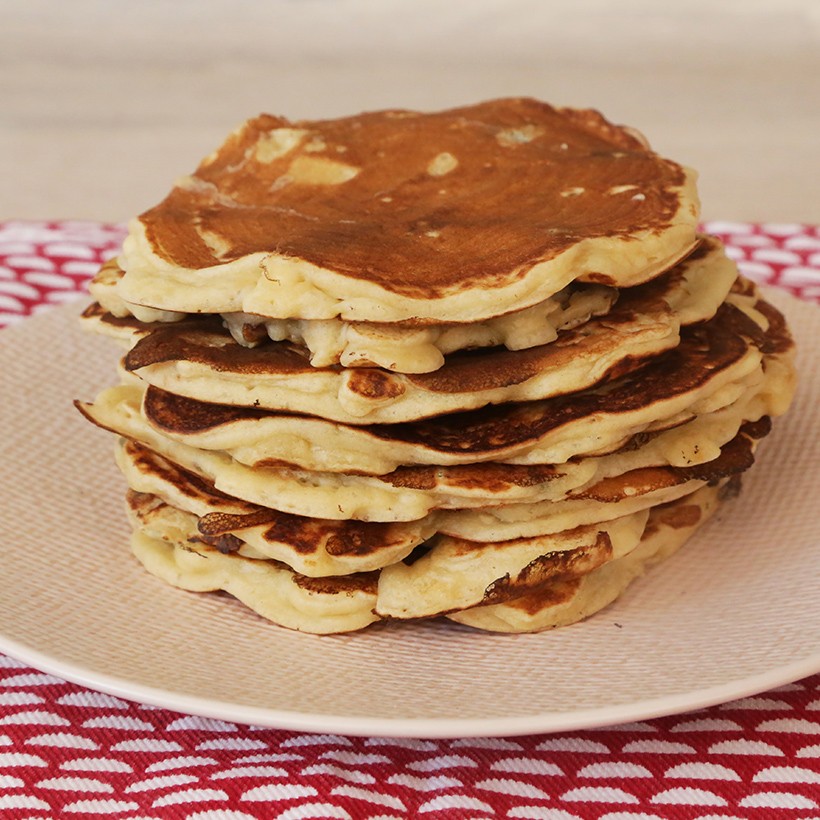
<point x="403" y="493"/>
<point x="400" y="347"/>
<point x="200" y="360"/>
<point x="687" y="442"/>
<point x="515" y="586"/>
<point x="571" y="497"/>
<point x="319" y="605"/>
<point x="573" y="597"/>
<point x="631" y="492"/>
<point x="329" y="547"/>
<point x="426" y="488"/>
<point x="454" y="573"/>
<point x="716" y="363"/>
<point x="310" y="546"/>
<point x="456" y="215"/>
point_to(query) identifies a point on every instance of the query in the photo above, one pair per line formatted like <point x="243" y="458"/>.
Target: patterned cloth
<point x="68" y="751"/>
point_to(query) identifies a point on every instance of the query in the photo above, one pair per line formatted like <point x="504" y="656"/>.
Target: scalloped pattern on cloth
<point x="69" y="751"/>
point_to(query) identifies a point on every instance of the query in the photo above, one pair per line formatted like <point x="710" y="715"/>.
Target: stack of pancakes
<point x="477" y="363"/>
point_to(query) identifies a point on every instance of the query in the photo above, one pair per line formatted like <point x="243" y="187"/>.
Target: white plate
<point x="736" y="612"/>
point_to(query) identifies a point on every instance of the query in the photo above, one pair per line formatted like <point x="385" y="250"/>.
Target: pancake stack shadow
<point x="477" y="364"/>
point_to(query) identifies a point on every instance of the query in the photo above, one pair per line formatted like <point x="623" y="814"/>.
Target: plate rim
<point x="422" y="728"/>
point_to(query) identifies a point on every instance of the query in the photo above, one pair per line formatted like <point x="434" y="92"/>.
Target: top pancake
<point x="458" y="215"/>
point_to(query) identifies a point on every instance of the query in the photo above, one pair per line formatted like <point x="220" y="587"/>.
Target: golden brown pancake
<point x="199" y="359"/>
<point x="572" y="596"/>
<point x="513" y="586"/>
<point x="711" y="356"/>
<point x="454" y="574"/>
<point x="410" y="348"/>
<point x="340" y="497"/>
<point x="455" y="215"/>
<point x="160" y="542"/>
<point x="310" y="546"/>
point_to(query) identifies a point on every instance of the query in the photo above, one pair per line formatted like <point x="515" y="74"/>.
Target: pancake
<point x="200" y="360"/>
<point x="388" y="216"/>
<point x="715" y="364"/>
<point x="405" y="494"/>
<point x="514" y="586"/>
<point x="338" y="496"/>
<point x="764" y="393"/>
<point x="631" y="492"/>
<point x="422" y="349"/>
<point x="573" y="597"/>
<point x="310" y="546"/>
<point x="454" y="574"/>
<point x="404" y="348"/>
<point x="318" y="605"/>
<point x="419" y="349"/>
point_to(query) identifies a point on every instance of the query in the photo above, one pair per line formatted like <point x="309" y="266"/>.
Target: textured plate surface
<point x="735" y="612"/>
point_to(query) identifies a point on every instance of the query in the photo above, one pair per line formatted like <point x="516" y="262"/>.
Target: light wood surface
<point x="104" y="104"/>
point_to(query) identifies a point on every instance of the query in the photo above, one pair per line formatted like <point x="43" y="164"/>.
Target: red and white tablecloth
<point x="68" y="751"/>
